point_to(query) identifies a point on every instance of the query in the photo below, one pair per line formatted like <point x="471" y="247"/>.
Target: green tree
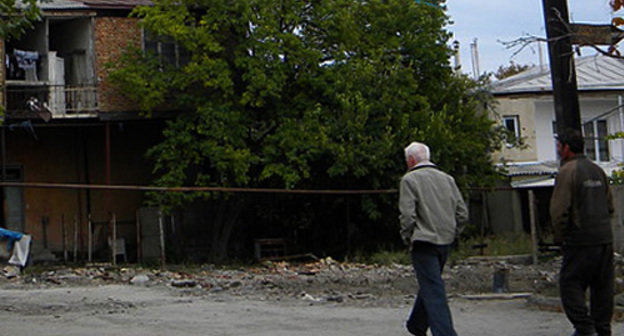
<point x="505" y="71"/>
<point x="304" y="94"/>
<point x="17" y="16"/>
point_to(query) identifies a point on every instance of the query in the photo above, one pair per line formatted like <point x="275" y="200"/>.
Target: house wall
<point x="525" y="110"/>
<point x="112" y="35"/>
<point x="536" y="121"/>
<point x="591" y="106"/>
<point x="75" y="154"/>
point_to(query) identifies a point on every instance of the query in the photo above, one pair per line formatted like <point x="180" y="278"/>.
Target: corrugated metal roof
<point x="593" y="73"/>
<point x="531" y="169"/>
<point x="58" y="4"/>
<point x="540" y="182"/>
<point x="86" y="4"/>
<point x="115" y="3"/>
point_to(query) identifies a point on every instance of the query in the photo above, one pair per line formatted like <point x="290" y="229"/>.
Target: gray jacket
<point x="431" y="206"/>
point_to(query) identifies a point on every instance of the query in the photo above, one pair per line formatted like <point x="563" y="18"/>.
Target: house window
<point x="166" y="49"/>
<point x="596" y="145"/>
<point x="512" y="125"/>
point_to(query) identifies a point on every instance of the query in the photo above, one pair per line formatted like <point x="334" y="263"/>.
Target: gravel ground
<point x="276" y="298"/>
<point x="126" y="310"/>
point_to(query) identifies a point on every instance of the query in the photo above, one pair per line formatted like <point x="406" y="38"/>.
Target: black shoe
<point x="576" y="333"/>
<point x="417" y="332"/>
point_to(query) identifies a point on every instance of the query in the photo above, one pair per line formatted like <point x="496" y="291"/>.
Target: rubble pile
<point x="325" y="280"/>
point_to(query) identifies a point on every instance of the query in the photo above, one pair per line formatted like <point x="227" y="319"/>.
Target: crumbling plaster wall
<point x="112" y="35"/>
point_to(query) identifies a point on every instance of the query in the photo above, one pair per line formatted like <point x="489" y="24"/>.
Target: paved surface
<point x="126" y="310"/>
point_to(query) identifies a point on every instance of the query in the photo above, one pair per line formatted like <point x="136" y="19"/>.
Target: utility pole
<point x="562" y="69"/>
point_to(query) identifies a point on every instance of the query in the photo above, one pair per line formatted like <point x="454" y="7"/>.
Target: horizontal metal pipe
<point x="188" y="189"/>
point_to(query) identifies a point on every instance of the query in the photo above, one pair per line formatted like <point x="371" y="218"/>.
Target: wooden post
<point x="90" y="238"/>
<point x="75" y="238"/>
<point x="64" y="237"/>
<point x="138" y="233"/>
<point x="533" y="226"/>
<point x="562" y="69"/>
<point x="45" y="220"/>
<point x="114" y="240"/>
<point x="161" y="230"/>
<point x="484" y="221"/>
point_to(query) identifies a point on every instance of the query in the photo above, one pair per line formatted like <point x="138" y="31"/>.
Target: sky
<point x="491" y="21"/>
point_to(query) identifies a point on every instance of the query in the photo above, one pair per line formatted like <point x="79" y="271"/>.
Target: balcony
<point x="62" y="101"/>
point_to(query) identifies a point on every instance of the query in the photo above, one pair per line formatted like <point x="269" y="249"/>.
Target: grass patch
<point x="508" y="244"/>
<point x="501" y="245"/>
<point x="382" y="257"/>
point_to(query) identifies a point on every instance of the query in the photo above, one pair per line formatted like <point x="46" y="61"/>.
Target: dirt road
<point x="127" y="310"/>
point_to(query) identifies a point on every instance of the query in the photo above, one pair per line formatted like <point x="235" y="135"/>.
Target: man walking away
<point x="431" y="207"/>
<point x="580" y="209"/>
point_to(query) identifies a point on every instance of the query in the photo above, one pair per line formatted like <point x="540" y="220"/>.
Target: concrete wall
<point x="505" y="211"/>
<point x="112" y="35"/>
<point x="618" y="219"/>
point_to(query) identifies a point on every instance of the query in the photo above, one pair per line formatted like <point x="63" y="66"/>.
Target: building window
<point x="512" y="125"/>
<point x="596" y="144"/>
<point x="166" y="49"/>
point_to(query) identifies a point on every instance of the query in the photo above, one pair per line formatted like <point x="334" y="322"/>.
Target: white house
<point x="525" y="107"/>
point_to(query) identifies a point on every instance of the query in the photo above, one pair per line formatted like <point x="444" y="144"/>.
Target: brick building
<point x="65" y="123"/>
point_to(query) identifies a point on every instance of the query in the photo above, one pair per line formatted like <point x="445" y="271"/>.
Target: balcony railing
<point x="60" y="100"/>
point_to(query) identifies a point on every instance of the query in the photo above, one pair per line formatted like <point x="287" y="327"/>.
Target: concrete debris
<point x="10" y="271"/>
<point x="324" y="281"/>
<point x="183" y="283"/>
<point x="140" y="280"/>
<point x="307" y="297"/>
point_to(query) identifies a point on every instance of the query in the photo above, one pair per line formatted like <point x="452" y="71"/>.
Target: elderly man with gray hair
<point x="431" y="211"/>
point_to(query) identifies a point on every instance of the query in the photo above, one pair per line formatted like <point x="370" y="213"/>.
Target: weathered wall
<point x="77" y="155"/>
<point x="618" y="219"/>
<point x="112" y="35"/>
<point x="525" y="110"/>
<point x="505" y="211"/>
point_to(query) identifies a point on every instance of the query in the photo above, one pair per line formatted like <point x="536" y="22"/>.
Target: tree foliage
<point x="306" y="94"/>
<point x="513" y="68"/>
<point x="17" y="16"/>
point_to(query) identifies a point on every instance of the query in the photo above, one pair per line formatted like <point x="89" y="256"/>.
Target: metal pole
<point x="90" y="238"/>
<point x="64" y="234"/>
<point x="114" y="242"/>
<point x="161" y="230"/>
<point x="75" y="238"/>
<point x="562" y="69"/>
<point x="138" y="229"/>
<point x="533" y="226"/>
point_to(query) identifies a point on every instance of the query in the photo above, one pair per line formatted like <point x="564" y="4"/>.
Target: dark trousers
<point x="431" y="307"/>
<point x="586" y="267"/>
